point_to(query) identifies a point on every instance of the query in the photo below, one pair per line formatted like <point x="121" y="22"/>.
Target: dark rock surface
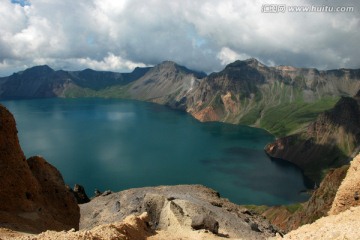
<point x="205" y="222"/>
<point x="80" y="194"/>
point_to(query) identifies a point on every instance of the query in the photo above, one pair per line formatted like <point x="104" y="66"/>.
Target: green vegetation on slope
<point x="109" y="92"/>
<point x="75" y="92"/>
<point x="287" y="118"/>
<point x="114" y="92"/>
<point x="282" y="109"/>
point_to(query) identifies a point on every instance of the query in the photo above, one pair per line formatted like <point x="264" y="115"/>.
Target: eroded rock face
<point x="33" y="195"/>
<point x="57" y="199"/>
<point x="19" y="188"/>
<point x="348" y="194"/>
<point x="345" y="225"/>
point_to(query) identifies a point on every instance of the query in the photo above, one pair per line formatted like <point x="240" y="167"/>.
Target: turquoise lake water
<point x="121" y="144"/>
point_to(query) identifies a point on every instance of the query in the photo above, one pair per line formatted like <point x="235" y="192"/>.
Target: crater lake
<point x="120" y="144"/>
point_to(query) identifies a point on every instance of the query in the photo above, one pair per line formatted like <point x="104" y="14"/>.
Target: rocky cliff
<point x="280" y="99"/>
<point x="343" y="221"/>
<point x="330" y="141"/>
<point x="348" y="194"/>
<point x="33" y="196"/>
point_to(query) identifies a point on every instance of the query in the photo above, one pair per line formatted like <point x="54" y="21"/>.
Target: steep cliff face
<point x="348" y="194"/>
<point x="327" y="142"/>
<point x="33" y="195"/>
<point x="279" y="99"/>
<point x="218" y="97"/>
<point x="343" y="221"/>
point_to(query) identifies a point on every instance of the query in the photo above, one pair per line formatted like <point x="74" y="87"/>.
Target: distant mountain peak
<point x="37" y="71"/>
<point x="171" y="66"/>
<point x="251" y="62"/>
<point x="40" y="68"/>
<point x="88" y="70"/>
<point x="168" y="64"/>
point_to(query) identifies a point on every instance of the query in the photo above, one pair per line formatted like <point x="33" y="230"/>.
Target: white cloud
<point x="110" y="62"/>
<point x="203" y="35"/>
<point x="226" y="56"/>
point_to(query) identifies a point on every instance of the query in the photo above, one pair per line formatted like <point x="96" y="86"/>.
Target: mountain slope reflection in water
<point x="121" y="144"/>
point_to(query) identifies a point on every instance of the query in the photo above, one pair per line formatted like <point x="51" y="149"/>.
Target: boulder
<point x="205" y="222"/>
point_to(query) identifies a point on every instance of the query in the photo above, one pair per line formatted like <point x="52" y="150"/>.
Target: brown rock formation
<point x="348" y="194"/>
<point x="344" y="223"/>
<point x="33" y="196"/>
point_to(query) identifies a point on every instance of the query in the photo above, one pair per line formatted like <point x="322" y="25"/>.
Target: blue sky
<point x="21" y="2"/>
<point x="200" y="34"/>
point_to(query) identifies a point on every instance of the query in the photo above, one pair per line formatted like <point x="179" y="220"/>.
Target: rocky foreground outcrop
<point x="190" y="209"/>
<point x="343" y="221"/>
<point x="348" y="194"/>
<point x="33" y="196"/>
<point x="345" y="225"/>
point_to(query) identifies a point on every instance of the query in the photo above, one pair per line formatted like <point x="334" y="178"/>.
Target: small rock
<point x="107" y="192"/>
<point x="97" y="192"/>
<point x="356" y="196"/>
<point x="205" y="222"/>
<point x="80" y="194"/>
<point x="117" y="206"/>
<point x="247" y="212"/>
<point x="217" y="204"/>
<point x="255" y="227"/>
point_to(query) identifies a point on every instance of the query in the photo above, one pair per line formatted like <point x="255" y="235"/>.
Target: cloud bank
<point x="202" y="35"/>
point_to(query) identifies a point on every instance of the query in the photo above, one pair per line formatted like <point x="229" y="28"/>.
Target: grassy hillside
<point x="288" y="118"/>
